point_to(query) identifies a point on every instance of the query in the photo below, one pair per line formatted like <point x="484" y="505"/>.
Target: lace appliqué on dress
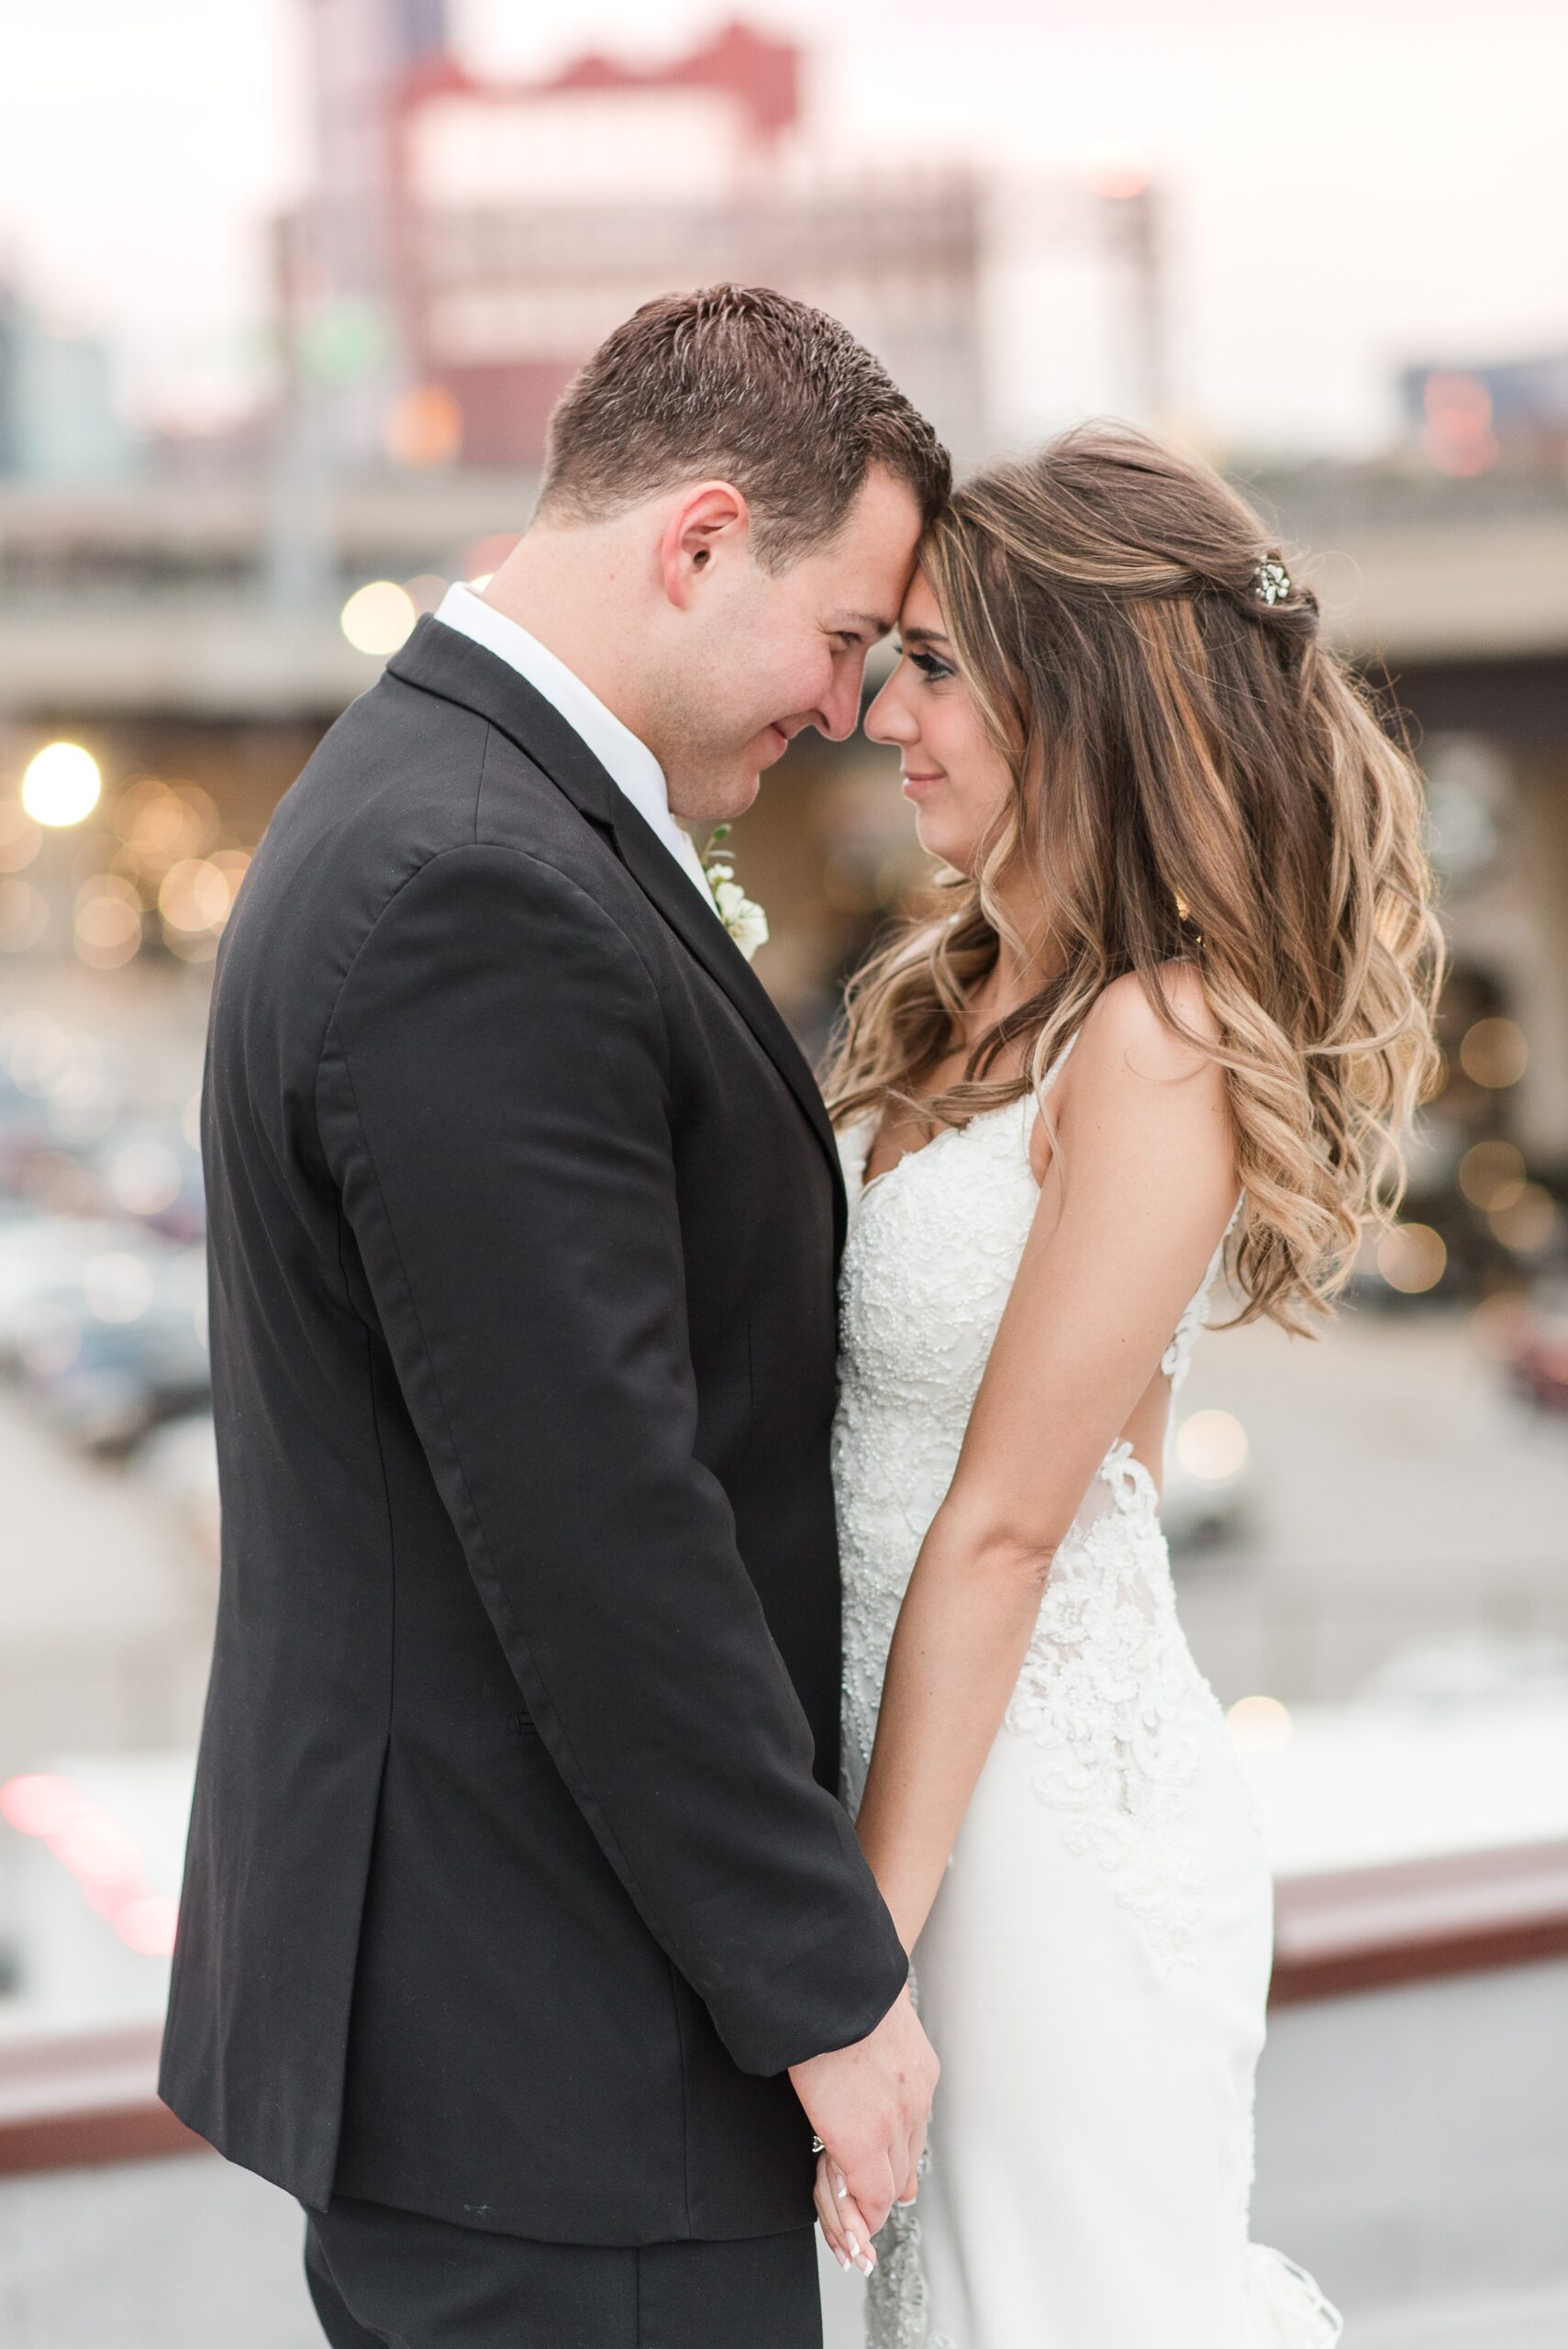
<point x="897" y="2298"/>
<point x="1110" y="1690"/>
<point x="897" y="2301"/>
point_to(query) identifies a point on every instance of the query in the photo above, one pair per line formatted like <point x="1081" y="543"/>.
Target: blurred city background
<point x="286" y="292"/>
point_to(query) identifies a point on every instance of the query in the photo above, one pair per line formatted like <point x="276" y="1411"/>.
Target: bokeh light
<point x="194" y="897"/>
<point x="377" y="618"/>
<point x="1259" y="1724"/>
<point x="1527" y="1222"/>
<point x="146" y="1923"/>
<point x="144" y="1177"/>
<point x="20" y="837"/>
<point x="425" y="590"/>
<point x="479" y="562"/>
<point x="104" y="1857"/>
<point x="24" y="915"/>
<point x="160" y="822"/>
<point x="424" y="427"/>
<point x="61" y="784"/>
<point x="93" y="1845"/>
<point x="117" y="1288"/>
<point x="1412" y="1258"/>
<point x="1212" y="1446"/>
<point x="108" y="921"/>
<point x="38" y="1802"/>
<point x="1494" y="1054"/>
<point x="1492" y="1173"/>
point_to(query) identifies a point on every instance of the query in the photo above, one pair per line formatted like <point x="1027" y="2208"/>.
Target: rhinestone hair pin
<point x="1271" y="580"/>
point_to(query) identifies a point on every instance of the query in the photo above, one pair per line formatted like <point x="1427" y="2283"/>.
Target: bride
<point x="1165" y="1024"/>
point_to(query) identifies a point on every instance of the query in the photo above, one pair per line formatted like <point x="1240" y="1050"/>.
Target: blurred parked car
<point x="126" y="1352"/>
<point x="42" y="1261"/>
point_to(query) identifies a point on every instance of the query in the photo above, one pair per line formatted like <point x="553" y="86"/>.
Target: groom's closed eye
<point x="860" y="628"/>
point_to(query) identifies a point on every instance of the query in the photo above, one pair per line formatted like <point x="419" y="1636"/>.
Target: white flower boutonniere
<point x="743" y="917"/>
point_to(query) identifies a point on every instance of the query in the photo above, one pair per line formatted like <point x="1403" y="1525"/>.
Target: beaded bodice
<point x="1109" y="1689"/>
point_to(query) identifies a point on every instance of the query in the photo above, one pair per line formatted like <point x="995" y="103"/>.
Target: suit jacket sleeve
<point x="493" y="1102"/>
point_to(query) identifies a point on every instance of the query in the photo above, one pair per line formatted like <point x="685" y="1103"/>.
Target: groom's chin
<point x="741" y="788"/>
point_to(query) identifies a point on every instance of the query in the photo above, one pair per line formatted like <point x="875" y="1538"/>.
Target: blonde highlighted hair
<point x="1196" y="778"/>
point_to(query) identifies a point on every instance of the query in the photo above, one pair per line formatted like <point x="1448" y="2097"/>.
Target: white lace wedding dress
<point x="1094" y="1972"/>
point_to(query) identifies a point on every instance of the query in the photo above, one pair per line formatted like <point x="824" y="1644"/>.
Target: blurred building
<point x="57" y="413"/>
<point x="1513" y="413"/>
<point x="469" y="244"/>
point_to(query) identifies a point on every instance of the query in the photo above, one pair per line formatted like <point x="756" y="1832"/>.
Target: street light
<point x="379" y="617"/>
<point x="61" y="784"/>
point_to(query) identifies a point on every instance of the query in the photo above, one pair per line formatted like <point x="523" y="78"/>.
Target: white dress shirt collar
<point x="629" y="763"/>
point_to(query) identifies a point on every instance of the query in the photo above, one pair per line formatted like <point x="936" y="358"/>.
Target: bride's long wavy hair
<point x="1196" y="778"/>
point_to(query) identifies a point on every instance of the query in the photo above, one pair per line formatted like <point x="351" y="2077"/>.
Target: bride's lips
<point x="916" y="786"/>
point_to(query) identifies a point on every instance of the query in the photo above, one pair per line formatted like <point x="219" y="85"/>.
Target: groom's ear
<point x="707" y="523"/>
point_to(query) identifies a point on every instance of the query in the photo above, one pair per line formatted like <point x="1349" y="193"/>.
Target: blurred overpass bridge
<point x="189" y="621"/>
<point x="208" y="599"/>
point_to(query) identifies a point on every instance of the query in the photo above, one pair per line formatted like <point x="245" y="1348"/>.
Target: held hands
<point x="845" y="2229"/>
<point x="870" y="2104"/>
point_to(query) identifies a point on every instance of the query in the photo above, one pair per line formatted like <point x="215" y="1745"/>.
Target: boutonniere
<point x="743" y="917"/>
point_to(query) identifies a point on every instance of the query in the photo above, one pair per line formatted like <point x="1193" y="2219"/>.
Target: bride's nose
<point x="888" y="719"/>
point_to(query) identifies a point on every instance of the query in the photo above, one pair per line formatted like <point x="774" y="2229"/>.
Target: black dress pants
<point x="394" y="2280"/>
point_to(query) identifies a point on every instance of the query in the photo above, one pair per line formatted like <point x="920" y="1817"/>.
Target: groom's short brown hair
<point x="747" y="384"/>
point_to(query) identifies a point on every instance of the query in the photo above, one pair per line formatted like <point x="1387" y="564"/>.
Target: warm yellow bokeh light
<point x="1526" y="1222"/>
<point x="378" y="618"/>
<point x="1212" y="1445"/>
<point x="1492" y="1173"/>
<point x="108" y="921"/>
<point x="1494" y="1054"/>
<point x="160" y="822"/>
<point x="20" y="839"/>
<point x="195" y="897"/>
<point x="61" y="784"/>
<point x="424" y="427"/>
<point x="1259" y="1724"/>
<point x="1412" y="1258"/>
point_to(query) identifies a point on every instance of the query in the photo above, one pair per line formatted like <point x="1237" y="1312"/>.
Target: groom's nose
<point x="839" y="712"/>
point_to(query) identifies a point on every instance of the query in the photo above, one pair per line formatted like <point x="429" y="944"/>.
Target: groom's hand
<point x="870" y="2104"/>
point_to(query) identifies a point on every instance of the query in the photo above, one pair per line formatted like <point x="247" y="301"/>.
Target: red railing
<point x="67" y="2098"/>
<point x="1416" y="1920"/>
<point x="70" y="2100"/>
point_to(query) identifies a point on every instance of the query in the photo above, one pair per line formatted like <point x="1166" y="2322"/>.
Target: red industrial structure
<point x="468" y="242"/>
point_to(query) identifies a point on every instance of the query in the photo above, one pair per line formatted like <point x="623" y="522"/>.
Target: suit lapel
<point x="440" y="660"/>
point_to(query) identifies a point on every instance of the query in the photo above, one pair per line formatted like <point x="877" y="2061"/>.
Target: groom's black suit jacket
<point x="513" y="1880"/>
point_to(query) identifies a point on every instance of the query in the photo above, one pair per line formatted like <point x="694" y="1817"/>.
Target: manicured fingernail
<point x="843" y="2192"/>
<point x="843" y="2261"/>
<point x="866" y="2265"/>
<point x="854" y="2243"/>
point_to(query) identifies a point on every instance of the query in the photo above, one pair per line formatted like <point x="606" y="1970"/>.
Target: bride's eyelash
<point x="931" y="665"/>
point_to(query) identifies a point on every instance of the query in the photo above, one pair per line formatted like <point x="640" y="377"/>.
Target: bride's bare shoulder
<point x="1125" y="1032"/>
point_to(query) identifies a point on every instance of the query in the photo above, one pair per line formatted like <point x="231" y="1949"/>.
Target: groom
<point x="522" y="1937"/>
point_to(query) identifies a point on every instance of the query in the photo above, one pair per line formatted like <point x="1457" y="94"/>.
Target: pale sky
<point x="1351" y="183"/>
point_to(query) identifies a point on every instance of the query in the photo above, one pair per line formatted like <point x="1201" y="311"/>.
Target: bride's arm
<point x="1131" y="1212"/>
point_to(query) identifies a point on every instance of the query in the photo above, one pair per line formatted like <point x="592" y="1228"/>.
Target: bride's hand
<point x="843" y="2224"/>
